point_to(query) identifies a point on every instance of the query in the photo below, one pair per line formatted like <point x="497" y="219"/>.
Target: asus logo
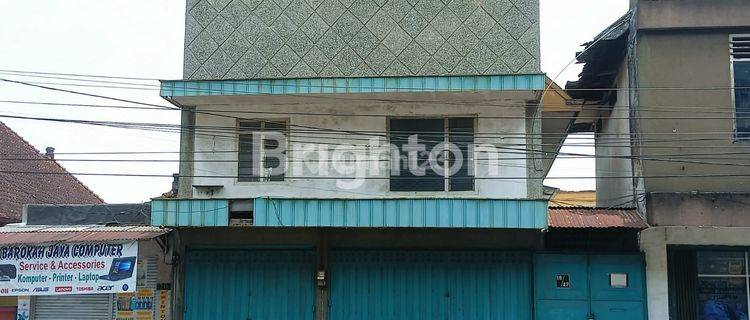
<point x="41" y="289"/>
<point x="63" y="289"/>
<point x="104" y="288"/>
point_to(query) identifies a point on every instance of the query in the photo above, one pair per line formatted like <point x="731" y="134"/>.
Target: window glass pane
<point x="722" y="298"/>
<point x="245" y="166"/>
<point x="721" y="263"/>
<point x="428" y="134"/>
<point x="742" y="98"/>
<point x="275" y="160"/>
<point x="274" y="136"/>
<point x="461" y="135"/>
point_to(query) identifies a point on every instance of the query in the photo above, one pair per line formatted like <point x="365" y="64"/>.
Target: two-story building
<point x="667" y="95"/>
<point x="372" y="159"/>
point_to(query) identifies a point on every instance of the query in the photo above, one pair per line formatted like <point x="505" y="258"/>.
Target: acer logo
<point x="104" y="288"/>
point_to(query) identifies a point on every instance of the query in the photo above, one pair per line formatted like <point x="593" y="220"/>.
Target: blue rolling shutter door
<point x="242" y="285"/>
<point x="375" y="285"/>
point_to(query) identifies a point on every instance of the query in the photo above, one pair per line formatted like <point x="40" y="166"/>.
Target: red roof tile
<point x="18" y="189"/>
<point x="578" y="217"/>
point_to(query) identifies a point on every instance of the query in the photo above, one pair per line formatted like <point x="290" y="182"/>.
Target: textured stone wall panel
<point x="259" y="39"/>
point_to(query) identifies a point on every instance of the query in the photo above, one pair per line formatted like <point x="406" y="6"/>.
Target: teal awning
<point x="401" y="213"/>
<point x="358" y="213"/>
<point x="187" y="88"/>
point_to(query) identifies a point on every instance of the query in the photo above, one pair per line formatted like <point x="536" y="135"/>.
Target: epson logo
<point x="41" y="289"/>
<point x="104" y="288"/>
<point x="19" y="290"/>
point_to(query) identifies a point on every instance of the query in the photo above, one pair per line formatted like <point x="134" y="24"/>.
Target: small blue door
<point x="589" y="287"/>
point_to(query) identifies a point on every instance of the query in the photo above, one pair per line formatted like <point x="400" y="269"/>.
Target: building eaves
<point x="602" y="58"/>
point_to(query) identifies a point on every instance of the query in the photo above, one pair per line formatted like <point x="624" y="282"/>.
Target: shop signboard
<point x="68" y="268"/>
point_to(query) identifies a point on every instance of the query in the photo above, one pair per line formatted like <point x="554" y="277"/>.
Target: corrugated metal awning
<point x="578" y="217"/>
<point x="51" y="234"/>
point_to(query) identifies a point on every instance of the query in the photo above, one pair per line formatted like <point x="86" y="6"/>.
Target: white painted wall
<point x="481" y="105"/>
<point x="612" y="140"/>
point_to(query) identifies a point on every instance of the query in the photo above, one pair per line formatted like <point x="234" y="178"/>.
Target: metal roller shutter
<point x="73" y="307"/>
<point x="250" y="284"/>
<point x="379" y="285"/>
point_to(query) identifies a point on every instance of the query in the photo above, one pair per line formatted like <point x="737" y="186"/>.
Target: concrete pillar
<point x="187" y="152"/>
<point x="653" y="243"/>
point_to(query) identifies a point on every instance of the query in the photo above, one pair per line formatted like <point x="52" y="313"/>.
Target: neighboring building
<point x="672" y="139"/>
<point x="76" y="277"/>
<point x="297" y="200"/>
<point x="19" y="186"/>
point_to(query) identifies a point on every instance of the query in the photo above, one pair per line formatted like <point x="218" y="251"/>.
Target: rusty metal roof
<point x="51" y="234"/>
<point x="580" y="217"/>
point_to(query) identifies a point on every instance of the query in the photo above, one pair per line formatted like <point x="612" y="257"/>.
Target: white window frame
<point x="732" y="60"/>
<point x="264" y="175"/>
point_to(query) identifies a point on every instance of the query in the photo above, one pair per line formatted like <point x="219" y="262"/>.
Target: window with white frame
<point x="432" y="154"/>
<point x="740" y="53"/>
<point x="722" y="285"/>
<point x="261" y="150"/>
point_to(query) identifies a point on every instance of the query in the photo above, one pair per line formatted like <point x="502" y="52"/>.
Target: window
<point x="262" y="150"/>
<point x="722" y="285"/>
<point x="432" y="154"/>
<point x="740" y="50"/>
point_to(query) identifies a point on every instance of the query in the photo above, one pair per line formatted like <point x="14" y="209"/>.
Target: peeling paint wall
<point x="263" y="39"/>
<point x="508" y="131"/>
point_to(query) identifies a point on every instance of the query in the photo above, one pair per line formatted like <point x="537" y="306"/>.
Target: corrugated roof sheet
<point x="51" y="234"/>
<point x="595" y="218"/>
<point x="401" y="213"/>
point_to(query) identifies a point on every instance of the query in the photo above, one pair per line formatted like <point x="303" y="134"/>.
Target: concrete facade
<point x="265" y="39"/>
<point x="684" y="121"/>
<point x="507" y="121"/>
<point x="655" y="242"/>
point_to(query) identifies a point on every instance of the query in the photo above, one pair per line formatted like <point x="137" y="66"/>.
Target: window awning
<point x="52" y="234"/>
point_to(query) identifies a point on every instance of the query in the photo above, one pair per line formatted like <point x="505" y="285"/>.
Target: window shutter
<point x="740" y="47"/>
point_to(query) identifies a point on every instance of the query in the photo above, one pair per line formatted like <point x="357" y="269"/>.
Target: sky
<point x="144" y="39"/>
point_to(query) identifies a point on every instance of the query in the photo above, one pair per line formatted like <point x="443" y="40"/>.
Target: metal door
<point x="72" y="307"/>
<point x="395" y="285"/>
<point x="593" y="287"/>
<point x="249" y="285"/>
